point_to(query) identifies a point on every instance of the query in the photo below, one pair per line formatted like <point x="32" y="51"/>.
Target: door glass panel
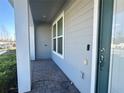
<point x="117" y="53"/>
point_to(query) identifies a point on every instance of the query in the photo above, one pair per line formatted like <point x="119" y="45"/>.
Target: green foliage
<point x="7" y="72"/>
<point x="7" y="58"/>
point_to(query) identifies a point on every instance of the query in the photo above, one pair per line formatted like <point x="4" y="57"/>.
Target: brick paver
<point x="48" y="78"/>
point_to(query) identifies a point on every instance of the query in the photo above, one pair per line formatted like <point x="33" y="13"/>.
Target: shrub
<point x="8" y="77"/>
<point x="7" y="58"/>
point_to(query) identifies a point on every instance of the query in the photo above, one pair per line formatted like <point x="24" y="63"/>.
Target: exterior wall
<point x="43" y="41"/>
<point x="78" y="32"/>
<point x="22" y="45"/>
<point x="32" y="36"/>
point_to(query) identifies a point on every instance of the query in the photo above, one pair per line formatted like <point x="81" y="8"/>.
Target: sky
<point x="7" y="17"/>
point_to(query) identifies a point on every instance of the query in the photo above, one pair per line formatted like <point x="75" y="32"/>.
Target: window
<point x="58" y="36"/>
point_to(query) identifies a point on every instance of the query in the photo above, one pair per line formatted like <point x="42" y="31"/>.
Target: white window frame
<point x="56" y="22"/>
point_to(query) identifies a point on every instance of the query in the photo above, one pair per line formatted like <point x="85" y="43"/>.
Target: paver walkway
<point x="48" y="78"/>
<point x="2" y="52"/>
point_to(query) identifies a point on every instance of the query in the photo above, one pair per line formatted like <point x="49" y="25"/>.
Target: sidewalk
<point x="2" y="52"/>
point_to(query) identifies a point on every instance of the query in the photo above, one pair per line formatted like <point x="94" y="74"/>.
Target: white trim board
<point x="95" y="44"/>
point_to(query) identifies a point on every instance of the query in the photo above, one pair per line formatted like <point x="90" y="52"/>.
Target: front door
<point x="43" y="45"/>
<point x="110" y="75"/>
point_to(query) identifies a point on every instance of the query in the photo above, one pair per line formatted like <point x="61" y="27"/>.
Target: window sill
<point x="59" y="55"/>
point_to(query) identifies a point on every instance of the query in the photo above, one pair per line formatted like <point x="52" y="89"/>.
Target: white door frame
<point x="95" y="44"/>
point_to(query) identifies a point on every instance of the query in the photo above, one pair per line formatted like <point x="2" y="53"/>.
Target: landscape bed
<point x="8" y="77"/>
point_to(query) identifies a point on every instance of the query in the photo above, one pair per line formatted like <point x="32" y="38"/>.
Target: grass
<point x="8" y="79"/>
<point x="7" y="58"/>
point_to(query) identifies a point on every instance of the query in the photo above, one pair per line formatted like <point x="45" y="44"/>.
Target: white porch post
<point x="32" y="36"/>
<point x="22" y="45"/>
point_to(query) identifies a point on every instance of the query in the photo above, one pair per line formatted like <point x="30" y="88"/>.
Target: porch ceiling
<point x="45" y="10"/>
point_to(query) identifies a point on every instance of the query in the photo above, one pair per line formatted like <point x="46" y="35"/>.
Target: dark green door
<point x="105" y="31"/>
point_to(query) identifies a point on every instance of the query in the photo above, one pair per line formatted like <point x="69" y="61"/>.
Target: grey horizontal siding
<point x="78" y="33"/>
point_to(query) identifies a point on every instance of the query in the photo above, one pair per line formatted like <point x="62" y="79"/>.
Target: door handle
<point x="102" y="50"/>
<point x="101" y="59"/>
<point x="101" y="62"/>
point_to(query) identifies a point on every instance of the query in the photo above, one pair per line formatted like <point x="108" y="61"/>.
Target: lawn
<point x="8" y="79"/>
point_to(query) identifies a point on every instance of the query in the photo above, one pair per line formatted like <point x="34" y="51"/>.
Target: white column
<point x="32" y="36"/>
<point x="22" y="45"/>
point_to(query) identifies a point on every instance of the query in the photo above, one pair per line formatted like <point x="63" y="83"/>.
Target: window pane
<point x="60" y="27"/>
<point x="54" y="30"/>
<point x="60" y="45"/>
<point x="54" y="44"/>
